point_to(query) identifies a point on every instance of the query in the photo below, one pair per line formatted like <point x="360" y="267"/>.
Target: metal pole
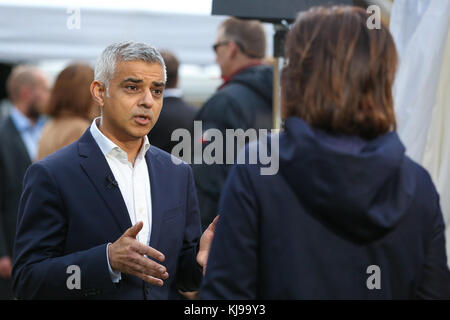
<point x="278" y="65"/>
<point x="278" y="54"/>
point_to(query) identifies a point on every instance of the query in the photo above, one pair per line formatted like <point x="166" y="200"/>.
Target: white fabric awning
<point x="41" y="32"/>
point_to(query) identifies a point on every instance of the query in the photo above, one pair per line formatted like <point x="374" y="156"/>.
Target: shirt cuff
<point x="116" y="276"/>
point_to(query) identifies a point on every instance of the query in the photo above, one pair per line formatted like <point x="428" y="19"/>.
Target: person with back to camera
<point x="71" y="107"/>
<point x="349" y="215"/>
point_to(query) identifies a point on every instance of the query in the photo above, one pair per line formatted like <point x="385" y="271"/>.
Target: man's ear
<point x="98" y="92"/>
<point x="234" y="49"/>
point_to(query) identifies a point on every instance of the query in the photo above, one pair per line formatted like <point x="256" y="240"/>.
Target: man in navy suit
<point x="109" y="216"/>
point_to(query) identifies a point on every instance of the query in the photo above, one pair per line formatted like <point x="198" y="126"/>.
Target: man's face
<point x="223" y="58"/>
<point x="40" y="94"/>
<point x="135" y="100"/>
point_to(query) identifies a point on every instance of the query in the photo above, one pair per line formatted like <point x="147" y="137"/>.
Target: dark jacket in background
<point x="175" y="114"/>
<point x="244" y="102"/>
<point x="338" y="205"/>
<point x="14" y="161"/>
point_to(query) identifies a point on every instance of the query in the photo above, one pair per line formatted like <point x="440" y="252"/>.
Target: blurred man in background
<point x="19" y="136"/>
<point x="176" y="112"/>
<point x="5" y="104"/>
<point x="243" y="101"/>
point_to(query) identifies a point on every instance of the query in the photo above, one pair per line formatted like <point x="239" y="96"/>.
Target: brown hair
<point x="172" y="64"/>
<point x="339" y="73"/>
<point x="249" y="36"/>
<point x="71" y="94"/>
<point x="21" y="76"/>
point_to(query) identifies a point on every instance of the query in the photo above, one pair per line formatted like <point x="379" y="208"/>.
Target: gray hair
<point x="124" y="51"/>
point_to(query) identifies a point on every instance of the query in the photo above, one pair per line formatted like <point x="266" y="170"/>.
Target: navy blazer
<point x="70" y="210"/>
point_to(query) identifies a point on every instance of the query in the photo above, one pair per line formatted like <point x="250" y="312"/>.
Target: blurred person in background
<point x="5" y="104"/>
<point x="349" y="215"/>
<point x="71" y="107"/>
<point x="28" y="93"/>
<point x="243" y="101"/>
<point x="176" y="113"/>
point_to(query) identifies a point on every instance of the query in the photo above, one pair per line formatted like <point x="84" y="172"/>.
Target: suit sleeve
<point x="189" y="272"/>
<point x="232" y="270"/>
<point x="40" y="265"/>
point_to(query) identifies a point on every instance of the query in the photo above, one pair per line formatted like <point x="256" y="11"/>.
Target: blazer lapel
<point x="96" y="167"/>
<point x="156" y="180"/>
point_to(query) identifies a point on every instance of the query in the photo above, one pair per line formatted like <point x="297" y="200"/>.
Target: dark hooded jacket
<point x="344" y="218"/>
<point x="242" y="103"/>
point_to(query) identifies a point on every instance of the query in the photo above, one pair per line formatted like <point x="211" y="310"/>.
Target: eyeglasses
<point x="241" y="47"/>
<point x="218" y="44"/>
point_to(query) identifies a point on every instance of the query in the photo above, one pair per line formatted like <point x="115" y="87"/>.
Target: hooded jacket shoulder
<point x="244" y="102"/>
<point x="349" y="181"/>
<point x="338" y="206"/>
<point x="257" y="78"/>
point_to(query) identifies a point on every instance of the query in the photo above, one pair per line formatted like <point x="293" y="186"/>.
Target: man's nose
<point x="147" y="99"/>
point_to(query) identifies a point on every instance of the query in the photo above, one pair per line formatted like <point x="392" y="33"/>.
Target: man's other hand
<point x="5" y="267"/>
<point x="205" y="244"/>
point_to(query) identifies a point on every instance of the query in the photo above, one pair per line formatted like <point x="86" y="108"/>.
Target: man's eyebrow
<point x="134" y="80"/>
<point x="158" y="84"/>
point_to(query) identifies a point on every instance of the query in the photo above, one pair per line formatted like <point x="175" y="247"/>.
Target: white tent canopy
<point x="421" y="30"/>
<point x="37" y="32"/>
<point x="51" y="33"/>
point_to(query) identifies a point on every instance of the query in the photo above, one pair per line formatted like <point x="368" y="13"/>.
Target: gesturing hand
<point x="205" y="244"/>
<point x="129" y="256"/>
<point x="5" y="267"/>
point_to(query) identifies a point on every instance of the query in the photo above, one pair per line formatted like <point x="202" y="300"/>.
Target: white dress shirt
<point x="133" y="181"/>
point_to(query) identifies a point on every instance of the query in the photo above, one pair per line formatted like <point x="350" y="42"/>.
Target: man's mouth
<point x="142" y="119"/>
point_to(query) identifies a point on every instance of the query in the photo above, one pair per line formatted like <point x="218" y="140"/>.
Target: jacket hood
<point x="357" y="187"/>
<point x="259" y="78"/>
